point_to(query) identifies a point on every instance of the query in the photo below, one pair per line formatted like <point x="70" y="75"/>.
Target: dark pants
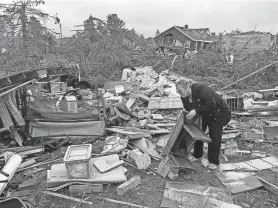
<point x="215" y="134"/>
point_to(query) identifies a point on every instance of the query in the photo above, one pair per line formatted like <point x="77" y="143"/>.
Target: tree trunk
<point x="24" y="27"/>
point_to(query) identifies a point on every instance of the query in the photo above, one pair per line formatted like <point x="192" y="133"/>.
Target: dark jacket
<point x="208" y="104"/>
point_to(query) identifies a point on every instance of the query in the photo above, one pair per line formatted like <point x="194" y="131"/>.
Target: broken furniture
<point x="184" y="131"/>
<point x="184" y="134"/>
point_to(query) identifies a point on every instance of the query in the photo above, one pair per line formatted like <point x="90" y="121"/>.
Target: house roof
<point x="199" y="34"/>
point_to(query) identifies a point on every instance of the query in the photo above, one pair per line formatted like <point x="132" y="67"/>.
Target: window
<point x="169" y="40"/>
<point x="187" y="44"/>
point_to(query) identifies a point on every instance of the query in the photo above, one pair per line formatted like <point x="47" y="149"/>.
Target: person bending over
<point x="200" y="99"/>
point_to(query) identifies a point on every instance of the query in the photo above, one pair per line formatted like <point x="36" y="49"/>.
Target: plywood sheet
<point x="226" y="177"/>
<point x="174" y="134"/>
<point x="245" y="184"/>
<point x="259" y="164"/>
<point x="215" y="203"/>
<point x="178" y="194"/>
<point x="236" y="166"/>
<point x="213" y="192"/>
<point x="272" y="160"/>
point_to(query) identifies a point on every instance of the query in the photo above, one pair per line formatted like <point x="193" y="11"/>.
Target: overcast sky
<point x="146" y="16"/>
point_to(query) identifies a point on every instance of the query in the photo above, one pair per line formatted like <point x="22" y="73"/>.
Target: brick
<point x="128" y="185"/>
<point x="88" y="188"/>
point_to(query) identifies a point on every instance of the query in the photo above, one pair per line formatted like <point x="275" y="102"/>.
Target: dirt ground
<point x="150" y="192"/>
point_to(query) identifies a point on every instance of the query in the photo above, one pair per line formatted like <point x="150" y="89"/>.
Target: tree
<point x="113" y="22"/>
<point x="18" y="15"/>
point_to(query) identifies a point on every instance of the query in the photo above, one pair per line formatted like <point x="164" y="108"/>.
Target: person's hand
<point x="191" y="114"/>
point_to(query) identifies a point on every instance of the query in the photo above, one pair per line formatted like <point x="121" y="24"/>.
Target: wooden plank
<point x="4" y="114"/>
<point x="269" y="186"/>
<point x="128" y="185"/>
<point x="14" y="111"/>
<point x="209" y="191"/>
<point x="271" y="160"/>
<point x="245" y="184"/>
<point x="5" y="81"/>
<point x="181" y="161"/>
<point x="163" y="168"/>
<point x="215" y="203"/>
<point x="17" y="78"/>
<point x="130" y="102"/>
<point x="16" y="87"/>
<point x="174" y="135"/>
<point x="88" y="188"/>
<point x="255" y="72"/>
<point x="259" y="164"/>
<point x="263" y="108"/>
<point x="31" y="75"/>
<point x="196" y="133"/>
<point x="18" y="138"/>
<point x="269" y="90"/>
<point x="68" y="198"/>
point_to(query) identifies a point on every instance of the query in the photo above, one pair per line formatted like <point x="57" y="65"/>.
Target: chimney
<point x="185" y="26"/>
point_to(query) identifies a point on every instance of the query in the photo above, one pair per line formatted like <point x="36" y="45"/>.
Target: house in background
<point x="246" y="43"/>
<point x="191" y="39"/>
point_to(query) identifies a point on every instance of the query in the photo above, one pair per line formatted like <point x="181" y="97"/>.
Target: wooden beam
<point x="5" y="81"/>
<point x="255" y="72"/>
<point x="122" y="203"/>
<point x="263" y="108"/>
<point x="31" y="75"/>
<point x="174" y="134"/>
<point x="16" y="87"/>
<point x="18" y="78"/>
<point x="68" y="197"/>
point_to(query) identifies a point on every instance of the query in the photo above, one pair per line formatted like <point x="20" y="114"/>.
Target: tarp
<point x="80" y="128"/>
<point x="58" y="174"/>
<point x="43" y="114"/>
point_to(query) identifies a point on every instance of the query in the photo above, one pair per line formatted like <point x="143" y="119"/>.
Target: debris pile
<point x="118" y="140"/>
